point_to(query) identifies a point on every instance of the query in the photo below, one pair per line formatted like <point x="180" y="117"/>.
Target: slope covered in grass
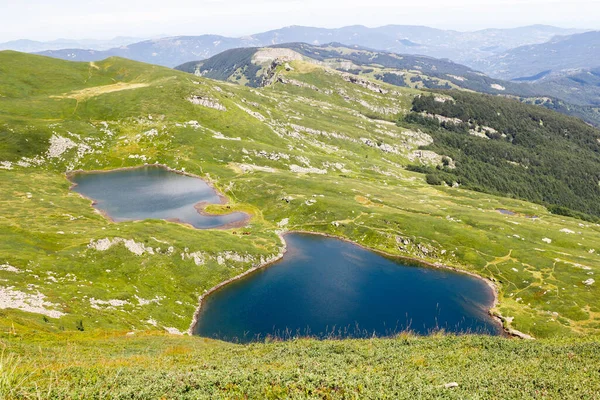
<point x="306" y="136"/>
<point x="406" y="367"/>
<point x="312" y="151"/>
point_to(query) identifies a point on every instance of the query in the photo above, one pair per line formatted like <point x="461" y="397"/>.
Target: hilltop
<point x="313" y="149"/>
<point x="251" y="67"/>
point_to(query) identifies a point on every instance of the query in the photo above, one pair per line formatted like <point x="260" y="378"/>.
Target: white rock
<point x="307" y="170"/>
<point x="134" y="247"/>
<point x="145" y="302"/>
<point x="95" y="303"/>
<point x="254" y="114"/>
<point x="251" y="167"/>
<point x="283" y="222"/>
<point x="58" y="145"/>
<point x="9" y="268"/>
<point x="207" y="102"/>
<point x="173" y="331"/>
<point x="33" y="303"/>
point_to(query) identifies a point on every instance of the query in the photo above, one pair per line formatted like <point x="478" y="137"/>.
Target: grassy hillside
<point x="572" y="95"/>
<point x="151" y="365"/>
<point x="401" y="70"/>
<point x="311" y="135"/>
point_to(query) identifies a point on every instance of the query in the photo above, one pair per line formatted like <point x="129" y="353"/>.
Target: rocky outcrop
<point x="364" y="83"/>
<point x="386" y="148"/>
<point x="28" y="302"/>
<point x="206" y="102"/>
<point x="270" y="54"/>
<point x="307" y="170"/>
<point x="254" y="114"/>
<point x="428" y="157"/>
<point x="58" y="145"/>
<point x="293" y="82"/>
<point x="136" y="248"/>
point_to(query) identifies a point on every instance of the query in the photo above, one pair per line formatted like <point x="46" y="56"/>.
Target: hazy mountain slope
<point x="559" y="54"/>
<point x="577" y="86"/>
<point x="167" y="51"/>
<point x="32" y="46"/>
<point x="459" y="46"/>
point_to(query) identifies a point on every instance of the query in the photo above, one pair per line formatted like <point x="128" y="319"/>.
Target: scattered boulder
<point x="307" y="170"/>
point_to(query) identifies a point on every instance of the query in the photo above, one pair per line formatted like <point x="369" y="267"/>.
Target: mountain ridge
<point x="558" y="54"/>
<point x="430" y="41"/>
<point x="239" y="66"/>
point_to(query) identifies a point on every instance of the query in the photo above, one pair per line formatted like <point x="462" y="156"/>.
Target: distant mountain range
<point x="533" y="62"/>
<point x="32" y="46"/>
<point x="567" y="66"/>
<point x="463" y="47"/>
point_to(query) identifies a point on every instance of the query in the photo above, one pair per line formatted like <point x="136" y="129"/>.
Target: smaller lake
<point x="325" y="287"/>
<point x="152" y="192"/>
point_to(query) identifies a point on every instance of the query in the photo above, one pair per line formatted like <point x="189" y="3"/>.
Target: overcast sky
<point x="77" y="19"/>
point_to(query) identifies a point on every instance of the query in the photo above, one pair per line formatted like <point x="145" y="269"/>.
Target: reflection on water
<point x="152" y="192"/>
<point x="326" y="287"/>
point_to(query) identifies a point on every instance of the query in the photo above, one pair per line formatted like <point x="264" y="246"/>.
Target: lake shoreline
<point x="213" y="289"/>
<point x="494" y="314"/>
<point x="223" y="200"/>
<point x="496" y="317"/>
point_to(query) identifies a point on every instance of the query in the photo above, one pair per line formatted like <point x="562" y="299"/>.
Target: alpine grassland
<point x="92" y="308"/>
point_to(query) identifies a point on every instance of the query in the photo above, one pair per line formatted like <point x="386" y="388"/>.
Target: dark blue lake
<point x="326" y="287"/>
<point x="152" y="192"/>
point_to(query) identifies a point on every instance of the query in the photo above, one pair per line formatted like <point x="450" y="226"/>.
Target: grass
<point x="365" y="195"/>
<point x="152" y="365"/>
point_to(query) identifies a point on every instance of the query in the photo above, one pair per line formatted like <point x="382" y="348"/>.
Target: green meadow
<point x="83" y="315"/>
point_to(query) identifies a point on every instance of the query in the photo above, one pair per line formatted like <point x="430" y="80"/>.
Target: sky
<point x="104" y="19"/>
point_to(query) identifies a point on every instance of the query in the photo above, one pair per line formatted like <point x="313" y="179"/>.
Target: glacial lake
<point x="325" y="287"/>
<point x="152" y="192"/>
